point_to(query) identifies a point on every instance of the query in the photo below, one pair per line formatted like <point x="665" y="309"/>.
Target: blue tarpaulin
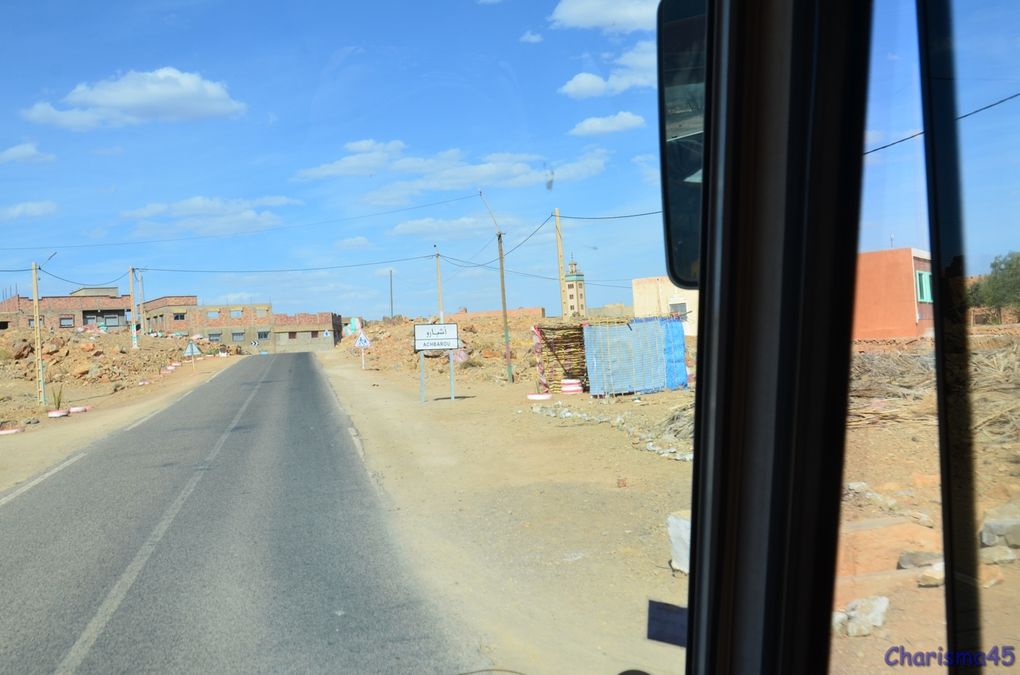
<point x="642" y="356"/>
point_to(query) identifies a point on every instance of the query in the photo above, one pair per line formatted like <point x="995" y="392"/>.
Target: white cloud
<point x="165" y="94"/>
<point x="612" y="16"/>
<point x="27" y="210"/>
<point x="449" y="170"/>
<point x="352" y="244"/>
<point x="530" y="37"/>
<point x="438" y="229"/>
<point x="621" y="121"/>
<point x="649" y="166"/>
<point x="209" y="215"/>
<point x="24" y="152"/>
<point x="366" y="158"/>
<point x="634" y="68"/>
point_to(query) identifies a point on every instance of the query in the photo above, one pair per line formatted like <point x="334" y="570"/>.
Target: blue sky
<point x="317" y="122"/>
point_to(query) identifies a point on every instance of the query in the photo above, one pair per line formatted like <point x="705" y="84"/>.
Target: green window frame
<point x="922" y="281"/>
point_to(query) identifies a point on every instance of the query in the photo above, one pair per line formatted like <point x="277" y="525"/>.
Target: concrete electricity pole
<point x="141" y="304"/>
<point x="40" y="387"/>
<point x="559" y="261"/>
<point x="439" y="286"/>
<point x="134" y="316"/>
<point x="502" y="291"/>
<point x="391" y="294"/>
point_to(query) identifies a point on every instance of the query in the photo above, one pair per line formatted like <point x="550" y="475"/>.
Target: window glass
<point x="985" y="271"/>
<point x="237" y="337"/>
<point x="236" y="313"/>
<point x="887" y="590"/>
<point x="215" y="337"/>
<point x="66" y="322"/>
<point x="178" y="316"/>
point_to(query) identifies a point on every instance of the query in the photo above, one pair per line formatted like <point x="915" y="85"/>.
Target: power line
<point x="239" y="234"/>
<point x="626" y="215"/>
<point x="82" y="283"/>
<point x="281" y="271"/>
<point x="27" y="269"/>
<point x="525" y="240"/>
<point x="457" y="262"/>
<point x="961" y="117"/>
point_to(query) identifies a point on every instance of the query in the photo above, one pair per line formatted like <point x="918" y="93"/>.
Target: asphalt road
<point x="235" y="531"/>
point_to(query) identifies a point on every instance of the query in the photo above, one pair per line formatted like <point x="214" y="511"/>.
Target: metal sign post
<point x="191" y="350"/>
<point x="437" y="337"/>
<point x="421" y="387"/>
<point x="362" y="343"/>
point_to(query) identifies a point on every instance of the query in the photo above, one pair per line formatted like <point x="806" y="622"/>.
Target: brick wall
<point x="170" y="301"/>
<point x="519" y="313"/>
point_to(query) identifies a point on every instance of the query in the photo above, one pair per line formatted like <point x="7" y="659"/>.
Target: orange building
<point x="893" y="297"/>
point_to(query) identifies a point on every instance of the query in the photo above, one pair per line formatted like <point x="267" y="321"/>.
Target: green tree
<point x="1001" y="288"/>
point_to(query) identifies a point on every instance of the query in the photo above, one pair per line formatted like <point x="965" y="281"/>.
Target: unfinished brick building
<point x="254" y="327"/>
<point x="101" y="307"/>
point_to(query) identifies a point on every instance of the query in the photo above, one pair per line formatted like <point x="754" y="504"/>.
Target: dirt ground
<point x="543" y="481"/>
<point x="545" y="534"/>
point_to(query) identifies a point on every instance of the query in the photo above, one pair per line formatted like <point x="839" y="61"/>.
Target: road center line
<point x="31" y="484"/>
<point x="115" y="597"/>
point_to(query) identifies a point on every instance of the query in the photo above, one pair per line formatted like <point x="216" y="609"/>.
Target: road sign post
<point x="362" y="343"/>
<point x="436" y="337"/>
<point x="192" y="351"/>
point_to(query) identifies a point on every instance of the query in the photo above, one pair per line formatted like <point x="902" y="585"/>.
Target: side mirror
<point x="683" y="67"/>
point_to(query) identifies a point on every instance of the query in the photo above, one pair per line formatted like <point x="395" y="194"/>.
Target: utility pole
<point x="391" y="294"/>
<point x="134" y="316"/>
<point x="439" y="287"/>
<point x="502" y="292"/>
<point x="141" y="304"/>
<point x="40" y="388"/>
<point x="559" y="260"/>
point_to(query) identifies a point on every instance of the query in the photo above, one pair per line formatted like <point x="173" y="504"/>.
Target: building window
<point x="42" y="322"/>
<point x="67" y="322"/>
<point x="263" y="335"/>
<point x="237" y="337"/>
<point x="260" y="312"/>
<point x="571" y="308"/>
<point x="178" y="316"/>
<point x="90" y="320"/>
<point x="923" y="280"/>
<point x="215" y="337"/>
<point x="571" y="296"/>
<point x="679" y="308"/>
<point x="570" y="285"/>
<point x="111" y="320"/>
<point x="236" y="313"/>
<point x="292" y="336"/>
<point x="213" y="314"/>
<point x="4" y="325"/>
<point x="315" y="334"/>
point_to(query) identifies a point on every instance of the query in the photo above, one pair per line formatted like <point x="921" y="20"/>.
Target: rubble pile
<point x="481" y="358"/>
<point x="86" y="356"/>
<point x="78" y="366"/>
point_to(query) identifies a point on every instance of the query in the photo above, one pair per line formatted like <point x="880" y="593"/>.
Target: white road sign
<point x="254" y="343"/>
<point x="435" y="336"/>
<point x="362" y="342"/>
<point x="192" y="350"/>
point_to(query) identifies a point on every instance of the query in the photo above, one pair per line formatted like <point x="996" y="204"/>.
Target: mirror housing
<point x="682" y="73"/>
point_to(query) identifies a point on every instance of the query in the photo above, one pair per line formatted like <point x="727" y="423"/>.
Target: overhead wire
<point x="457" y="262"/>
<point x="961" y="117"/>
<point x="285" y="270"/>
<point x="81" y="283"/>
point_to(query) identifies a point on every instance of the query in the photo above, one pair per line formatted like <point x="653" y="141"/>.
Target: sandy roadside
<point x="42" y="446"/>
<point x="519" y="523"/>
